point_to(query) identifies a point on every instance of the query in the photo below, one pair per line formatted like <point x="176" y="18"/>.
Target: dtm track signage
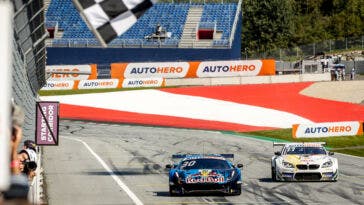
<point x="328" y="129"/>
<point x="47" y="123"/>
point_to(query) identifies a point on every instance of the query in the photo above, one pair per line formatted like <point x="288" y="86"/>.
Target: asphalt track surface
<point x="136" y="157"/>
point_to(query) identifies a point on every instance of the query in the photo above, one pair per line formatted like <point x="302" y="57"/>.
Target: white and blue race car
<point x="304" y="162"/>
<point x="204" y="173"/>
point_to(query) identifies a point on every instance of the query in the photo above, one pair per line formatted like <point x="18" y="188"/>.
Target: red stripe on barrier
<point x="105" y="115"/>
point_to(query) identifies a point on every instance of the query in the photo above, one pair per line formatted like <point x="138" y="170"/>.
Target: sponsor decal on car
<point x="205" y="176"/>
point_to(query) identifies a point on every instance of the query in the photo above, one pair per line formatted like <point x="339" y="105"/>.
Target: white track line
<point x="132" y="196"/>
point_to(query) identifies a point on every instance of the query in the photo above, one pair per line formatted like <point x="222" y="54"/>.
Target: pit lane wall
<point x="328" y="129"/>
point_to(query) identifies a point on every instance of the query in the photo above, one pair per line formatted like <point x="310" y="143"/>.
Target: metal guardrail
<point x="120" y="43"/>
<point x="128" y="43"/>
<point x="200" y="1"/>
<point x="309" y="50"/>
<point x="233" y="29"/>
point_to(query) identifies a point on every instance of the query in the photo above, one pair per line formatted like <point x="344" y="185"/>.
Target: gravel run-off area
<point x="345" y="91"/>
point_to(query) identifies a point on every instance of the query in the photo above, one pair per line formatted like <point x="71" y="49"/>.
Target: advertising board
<point x="328" y="129"/>
<point x="47" y="123"/>
<point x="71" y="72"/>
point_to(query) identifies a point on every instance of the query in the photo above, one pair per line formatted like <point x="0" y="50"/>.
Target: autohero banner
<point x="58" y="85"/>
<point x="327" y="129"/>
<point x="98" y="84"/>
<point x="143" y="82"/>
<point x="162" y="70"/>
<point x="198" y="69"/>
<point x="229" y="68"/>
<point x="71" y="72"/>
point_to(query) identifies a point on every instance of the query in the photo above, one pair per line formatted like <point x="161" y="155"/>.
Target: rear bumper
<point x="225" y="188"/>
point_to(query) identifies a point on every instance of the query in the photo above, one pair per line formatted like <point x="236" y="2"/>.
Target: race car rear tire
<point x="238" y="191"/>
<point x="274" y="174"/>
<point x="235" y="190"/>
<point x="176" y="191"/>
<point x="171" y="189"/>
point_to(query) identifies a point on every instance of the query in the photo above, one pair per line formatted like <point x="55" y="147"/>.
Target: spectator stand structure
<point x="197" y="31"/>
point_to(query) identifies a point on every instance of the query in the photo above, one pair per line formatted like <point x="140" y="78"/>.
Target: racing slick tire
<point x="274" y="174"/>
<point x="171" y="189"/>
<point x="180" y="191"/>
<point x="237" y="191"/>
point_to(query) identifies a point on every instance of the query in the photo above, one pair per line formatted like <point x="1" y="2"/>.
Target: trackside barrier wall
<point x="327" y="129"/>
<point x="70" y="56"/>
<point x="104" y="83"/>
<point x="247" y="80"/>
<point x="160" y="82"/>
<point x="316" y="77"/>
<point x="71" y="72"/>
<point x="193" y="69"/>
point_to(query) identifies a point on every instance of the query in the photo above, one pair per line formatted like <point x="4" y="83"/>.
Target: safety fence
<point x="306" y="51"/>
<point x="28" y="76"/>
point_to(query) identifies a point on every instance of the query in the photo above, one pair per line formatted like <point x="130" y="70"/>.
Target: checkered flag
<point x="110" y="18"/>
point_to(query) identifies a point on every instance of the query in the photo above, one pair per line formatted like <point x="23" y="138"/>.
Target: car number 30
<point x="188" y="164"/>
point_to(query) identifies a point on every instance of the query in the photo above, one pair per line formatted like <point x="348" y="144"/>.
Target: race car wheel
<point x="175" y="191"/>
<point x="171" y="191"/>
<point x="235" y="190"/>
<point x="274" y="175"/>
<point x="238" y="191"/>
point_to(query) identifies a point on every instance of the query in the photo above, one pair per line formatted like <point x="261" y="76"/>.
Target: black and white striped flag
<point x="110" y="18"/>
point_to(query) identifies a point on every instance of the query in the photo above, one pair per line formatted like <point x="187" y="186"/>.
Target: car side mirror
<point x="331" y="153"/>
<point x="169" y="166"/>
<point x="277" y="153"/>
<point x="240" y="165"/>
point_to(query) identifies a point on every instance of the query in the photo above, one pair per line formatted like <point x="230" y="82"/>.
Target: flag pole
<point x="94" y="31"/>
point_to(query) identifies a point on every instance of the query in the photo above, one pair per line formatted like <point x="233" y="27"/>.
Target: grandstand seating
<point x="221" y="14"/>
<point x="171" y="16"/>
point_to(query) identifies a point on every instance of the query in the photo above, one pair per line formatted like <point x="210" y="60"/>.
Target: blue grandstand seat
<point x="221" y="14"/>
<point x="171" y="16"/>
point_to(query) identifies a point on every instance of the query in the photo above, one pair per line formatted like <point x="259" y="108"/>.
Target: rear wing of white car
<point x="275" y="144"/>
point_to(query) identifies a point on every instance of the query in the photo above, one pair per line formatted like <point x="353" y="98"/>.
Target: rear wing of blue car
<point x="182" y="156"/>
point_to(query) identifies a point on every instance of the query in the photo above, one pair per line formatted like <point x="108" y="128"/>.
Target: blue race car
<point x="204" y="173"/>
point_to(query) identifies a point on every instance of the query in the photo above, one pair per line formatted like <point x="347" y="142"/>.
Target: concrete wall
<point x="249" y="80"/>
<point x="76" y="56"/>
